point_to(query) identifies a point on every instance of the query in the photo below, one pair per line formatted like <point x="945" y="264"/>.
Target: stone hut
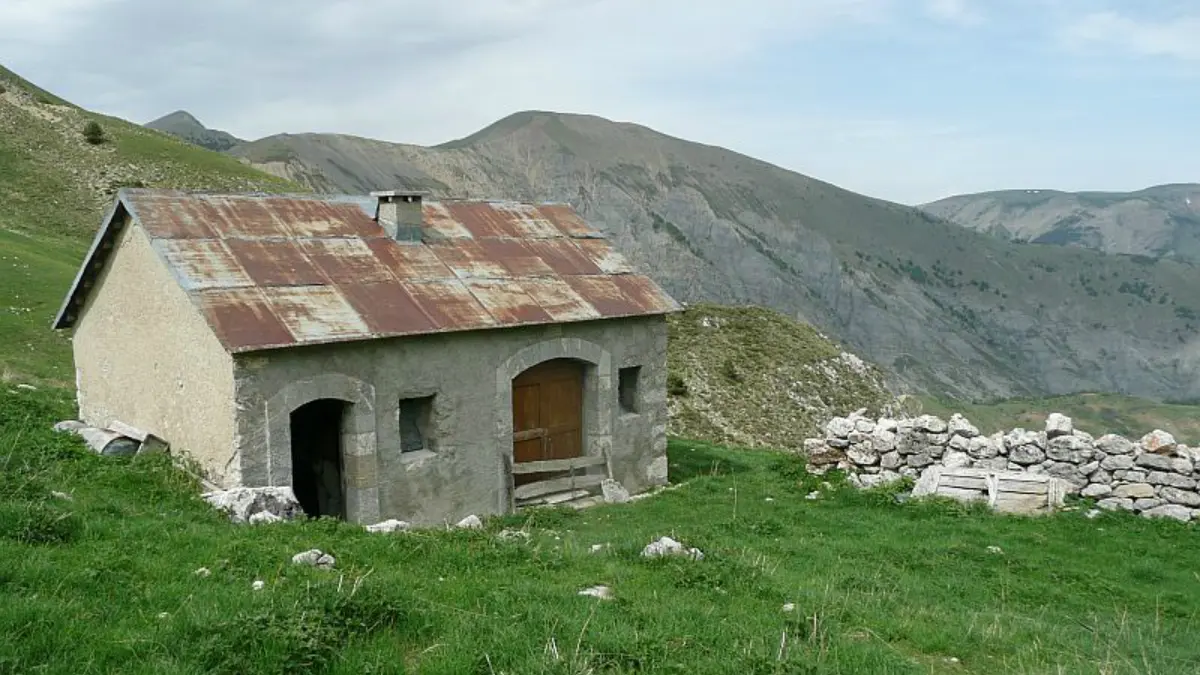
<point x="386" y="357"/>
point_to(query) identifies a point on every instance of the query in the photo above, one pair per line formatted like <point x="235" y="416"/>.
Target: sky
<point x="907" y="100"/>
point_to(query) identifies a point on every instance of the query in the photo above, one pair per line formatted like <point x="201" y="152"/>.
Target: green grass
<point x="34" y="276"/>
<point x="1095" y="413"/>
<point x="105" y="582"/>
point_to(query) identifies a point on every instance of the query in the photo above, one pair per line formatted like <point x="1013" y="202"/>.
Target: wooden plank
<point x="1010" y="486"/>
<point x="531" y="490"/>
<point x="967" y="482"/>
<point x="961" y="493"/>
<point x="556" y="465"/>
<point x="1020" y="503"/>
<point x="556" y="498"/>
<point x="528" y="435"/>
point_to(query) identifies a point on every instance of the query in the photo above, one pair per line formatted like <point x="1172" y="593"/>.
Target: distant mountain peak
<point x="185" y="126"/>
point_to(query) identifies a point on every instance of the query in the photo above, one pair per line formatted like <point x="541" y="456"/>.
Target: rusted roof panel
<point x="441" y="222"/>
<point x="275" y="271"/>
<point x="275" y="262"/>
<point x="482" y="220"/>
<point x="528" y="221"/>
<point x="316" y="313"/>
<point x="604" y="256"/>
<point x="242" y="319"/>
<point x="449" y="304"/>
<point x="563" y="256"/>
<point x="170" y="215"/>
<point x="517" y="258"/>
<point x="409" y="261"/>
<point x="468" y="260"/>
<point x="346" y="261"/>
<point x="507" y="302"/>
<point x="202" y="263"/>
<point x="388" y="309"/>
<point x="567" y="220"/>
<point x="559" y="300"/>
<point x="605" y="295"/>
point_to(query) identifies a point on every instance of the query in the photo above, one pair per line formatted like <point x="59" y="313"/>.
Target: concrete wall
<point x="470" y="375"/>
<point x="145" y="356"/>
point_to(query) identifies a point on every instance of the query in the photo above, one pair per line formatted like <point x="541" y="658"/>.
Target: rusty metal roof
<point x="276" y="271"/>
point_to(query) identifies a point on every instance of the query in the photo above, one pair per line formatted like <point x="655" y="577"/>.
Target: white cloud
<point x="953" y="11"/>
<point x="1178" y="37"/>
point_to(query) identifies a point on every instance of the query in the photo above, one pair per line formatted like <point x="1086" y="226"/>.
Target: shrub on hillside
<point x="93" y="133"/>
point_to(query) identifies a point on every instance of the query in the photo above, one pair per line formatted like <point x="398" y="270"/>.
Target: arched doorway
<point x="317" y="457"/>
<point x="547" y="410"/>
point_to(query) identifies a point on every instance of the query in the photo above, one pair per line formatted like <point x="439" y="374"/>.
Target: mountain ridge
<point x="1161" y="221"/>
<point x="946" y="309"/>
<point x="184" y="125"/>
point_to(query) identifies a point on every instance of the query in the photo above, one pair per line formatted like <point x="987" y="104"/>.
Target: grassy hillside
<point x="54" y="188"/>
<point x="751" y="377"/>
<point x="1094" y="413"/>
<point x="103" y="578"/>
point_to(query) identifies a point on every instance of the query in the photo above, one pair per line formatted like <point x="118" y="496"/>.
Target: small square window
<point x="627" y="388"/>
<point x="414" y="419"/>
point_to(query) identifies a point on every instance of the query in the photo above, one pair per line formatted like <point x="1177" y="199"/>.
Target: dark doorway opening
<point x="317" y="457"/>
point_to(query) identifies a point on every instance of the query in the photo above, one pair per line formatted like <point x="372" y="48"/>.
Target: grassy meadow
<point x="103" y="578"/>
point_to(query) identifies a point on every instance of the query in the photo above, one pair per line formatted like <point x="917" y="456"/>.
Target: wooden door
<point x="548" y="412"/>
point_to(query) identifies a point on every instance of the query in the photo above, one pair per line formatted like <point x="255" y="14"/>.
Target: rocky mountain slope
<point x="1162" y="221"/>
<point x="947" y="309"/>
<point x="54" y="188"/>
<point x="183" y="125"/>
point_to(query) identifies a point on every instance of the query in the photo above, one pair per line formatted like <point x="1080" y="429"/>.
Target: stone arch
<point x="597" y="393"/>
<point x="360" y="462"/>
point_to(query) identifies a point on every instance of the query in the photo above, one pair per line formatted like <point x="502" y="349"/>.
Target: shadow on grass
<point x="689" y="459"/>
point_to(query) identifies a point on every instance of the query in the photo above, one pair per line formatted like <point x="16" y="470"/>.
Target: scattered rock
<point x="814" y="495"/>
<point x="258" y="585"/>
<point x="667" y="546"/>
<point x="264" y="517"/>
<point x="600" y="592"/>
<point x="202" y="572"/>
<point x="471" y="522"/>
<point x="61" y="495"/>
<point x="242" y="503"/>
<point x="1058" y="424"/>
<point x="598" y="548"/>
<point x="1092" y="513"/>
<point x="391" y="525"/>
<point x="614" y="492"/>
<point x="1158" y="442"/>
<point x="789" y="607"/>
<point x="995" y="550"/>
<point x="314" y="558"/>
<point x="69" y="426"/>
<point x="1180" y="513"/>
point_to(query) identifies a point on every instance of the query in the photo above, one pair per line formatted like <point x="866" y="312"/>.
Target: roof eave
<point x="63" y="319"/>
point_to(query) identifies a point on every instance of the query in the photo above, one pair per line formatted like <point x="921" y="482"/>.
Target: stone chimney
<point x="399" y="212"/>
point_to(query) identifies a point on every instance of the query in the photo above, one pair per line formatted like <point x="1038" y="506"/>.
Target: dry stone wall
<point x="1154" y="476"/>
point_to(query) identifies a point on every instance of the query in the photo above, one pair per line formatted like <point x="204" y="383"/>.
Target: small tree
<point x="93" y="133"/>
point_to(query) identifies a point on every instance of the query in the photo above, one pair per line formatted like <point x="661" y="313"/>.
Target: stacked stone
<point x="1154" y="476"/>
